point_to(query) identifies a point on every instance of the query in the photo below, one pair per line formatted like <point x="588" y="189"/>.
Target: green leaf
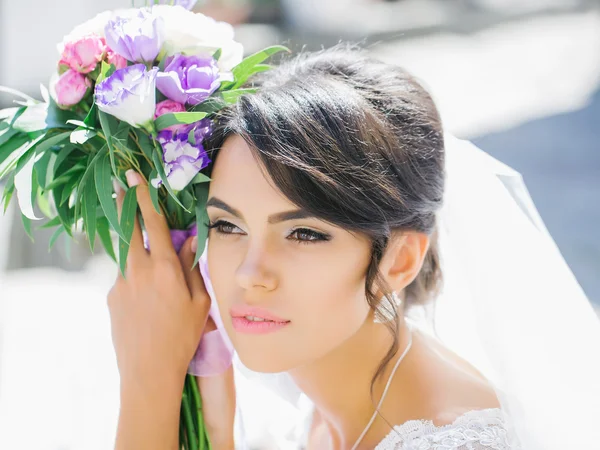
<point x="62" y="155"/>
<point x="8" y="191"/>
<point x="16" y="142"/>
<point x="89" y="205"/>
<point x="89" y="171"/>
<point x="144" y="143"/>
<point x="104" y="235"/>
<point x="192" y="137"/>
<point x="66" y="177"/>
<point x="55" y="221"/>
<point x="10" y="115"/>
<point x="127" y="223"/>
<point x="210" y="105"/>
<point x="158" y="165"/>
<point x="200" y="178"/>
<point x="41" y="168"/>
<point x="245" y="77"/>
<point x="25" y="181"/>
<point x="107" y="123"/>
<point x="28" y="153"/>
<point x="27" y="226"/>
<point x="233" y="95"/>
<point x="81" y="136"/>
<point x="43" y="116"/>
<point x="154" y="192"/>
<point x="106" y="70"/>
<point x="187" y="198"/>
<point x="43" y="201"/>
<point x="201" y="191"/>
<point x="244" y="69"/>
<point x="68" y="188"/>
<point x="64" y="212"/>
<point x="6" y="133"/>
<point x="104" y="188"/>
<point x="52" y="141"/>
<point x="217" y="55"/>
<point x="167" y="120"/>
<point x="91" y="120"/>
<point x="35" y="185"/>
<point x="120" y="139"/>
<point x="54" y="237"/>
<point x="78" y="123"/>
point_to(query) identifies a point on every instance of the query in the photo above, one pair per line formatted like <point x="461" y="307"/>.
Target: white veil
<point x="510" y="305"/>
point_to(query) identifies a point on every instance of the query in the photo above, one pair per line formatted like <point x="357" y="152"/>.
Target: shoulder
<point x="454" y="386"/>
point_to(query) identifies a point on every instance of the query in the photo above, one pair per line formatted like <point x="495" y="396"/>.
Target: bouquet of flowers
<point x="134" y="89"/>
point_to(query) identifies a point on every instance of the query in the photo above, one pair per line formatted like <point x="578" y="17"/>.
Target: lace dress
<point x="485" y="429"/>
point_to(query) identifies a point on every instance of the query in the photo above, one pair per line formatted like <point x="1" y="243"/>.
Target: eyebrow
<point x="273" y="218"/>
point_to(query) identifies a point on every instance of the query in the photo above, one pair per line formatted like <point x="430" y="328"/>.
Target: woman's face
<point x="305" y="273"/>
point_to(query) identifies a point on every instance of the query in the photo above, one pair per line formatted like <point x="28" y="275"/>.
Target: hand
<point x="158" y="311"/>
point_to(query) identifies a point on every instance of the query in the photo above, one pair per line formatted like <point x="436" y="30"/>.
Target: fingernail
<point x="194" y="244"/>
<point x="116" y="186"/>
<point x="133" y="178"/>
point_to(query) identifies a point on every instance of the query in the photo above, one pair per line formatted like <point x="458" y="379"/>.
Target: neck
<point x="339" y="383"/>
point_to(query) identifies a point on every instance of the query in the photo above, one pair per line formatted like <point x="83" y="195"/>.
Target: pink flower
<point x="116" y="59"/>
<point x="71" y="87"/>
<point x="169" y="106"/>
<point x="83" y="54"/>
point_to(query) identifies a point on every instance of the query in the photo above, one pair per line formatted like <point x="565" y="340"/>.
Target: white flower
<point x="129" y="94"/>
<point x="194" y="34"/>
<point x="93" y="26"/>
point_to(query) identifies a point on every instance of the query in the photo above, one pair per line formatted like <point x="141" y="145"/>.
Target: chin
<point x="263" y="361"/>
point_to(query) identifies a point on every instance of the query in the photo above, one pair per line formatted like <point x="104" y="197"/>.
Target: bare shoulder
<point x="458" y="386"/>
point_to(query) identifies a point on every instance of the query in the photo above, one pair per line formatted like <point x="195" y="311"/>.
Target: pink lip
<point x="240" y="323"/>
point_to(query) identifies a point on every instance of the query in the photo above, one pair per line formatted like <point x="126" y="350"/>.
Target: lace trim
<point x="478" y="429"/>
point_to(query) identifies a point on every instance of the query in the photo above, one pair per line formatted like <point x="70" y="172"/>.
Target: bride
<point x="328" y="188"/>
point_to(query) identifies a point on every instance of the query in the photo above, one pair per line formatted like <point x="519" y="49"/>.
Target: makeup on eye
<point x="221" y="225"/>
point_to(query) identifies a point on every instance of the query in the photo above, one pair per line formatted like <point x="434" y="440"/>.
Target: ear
<point x="404" y="258"/>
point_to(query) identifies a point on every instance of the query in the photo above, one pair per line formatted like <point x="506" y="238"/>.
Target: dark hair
<point x="358" y="143"/>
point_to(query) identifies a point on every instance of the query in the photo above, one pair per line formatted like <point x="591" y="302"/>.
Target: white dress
<point x="486" y="429"/>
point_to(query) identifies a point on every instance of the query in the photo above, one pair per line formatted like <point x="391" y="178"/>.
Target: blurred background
<point x="520" y="78"/>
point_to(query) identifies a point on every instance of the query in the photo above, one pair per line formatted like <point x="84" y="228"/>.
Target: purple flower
<point x="187" y="4"/>
<point x="138" y="38"/>
<point x="189" y="79"/>
<point x="129" y="94"/>
<point x="182" y="159"/>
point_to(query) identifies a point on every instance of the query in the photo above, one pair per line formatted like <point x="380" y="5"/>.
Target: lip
<point x="241" y="324"/>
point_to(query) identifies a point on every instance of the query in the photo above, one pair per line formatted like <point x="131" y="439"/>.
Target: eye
<point x="307" y="236"/>
<point x="222" y="227"/>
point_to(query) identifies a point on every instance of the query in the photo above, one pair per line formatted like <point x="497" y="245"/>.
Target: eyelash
<point x="316" y="236"/>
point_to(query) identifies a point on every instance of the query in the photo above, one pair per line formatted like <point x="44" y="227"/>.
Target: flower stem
<point x="189" y="421"/>
<point x="199" y="416"/>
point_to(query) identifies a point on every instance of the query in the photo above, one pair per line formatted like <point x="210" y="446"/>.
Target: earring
<point x="386" y="312"/>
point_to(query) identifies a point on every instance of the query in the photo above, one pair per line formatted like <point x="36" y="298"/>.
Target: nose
<point x="254" y="272"/>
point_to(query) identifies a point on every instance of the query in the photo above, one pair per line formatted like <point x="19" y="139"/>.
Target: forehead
<point x="237" y="176"/>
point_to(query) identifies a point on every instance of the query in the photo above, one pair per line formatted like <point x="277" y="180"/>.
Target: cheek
<point x="333" y="307"/>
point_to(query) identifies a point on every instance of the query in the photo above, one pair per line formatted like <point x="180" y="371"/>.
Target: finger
<point x="159" y="238"/>
<point x="136" y="245"/>
<point x="193" y="277"/>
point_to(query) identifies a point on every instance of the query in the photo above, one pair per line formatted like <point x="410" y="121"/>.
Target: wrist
<point x="225" y="444"/>
<point x="162" y="386"/>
